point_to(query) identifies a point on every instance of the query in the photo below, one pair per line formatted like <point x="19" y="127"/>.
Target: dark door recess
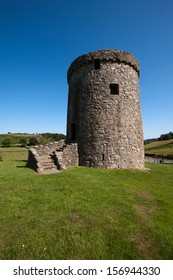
<point x="73" y="132"/>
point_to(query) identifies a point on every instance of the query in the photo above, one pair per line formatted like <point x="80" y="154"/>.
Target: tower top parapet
<point x="104" y="55"/>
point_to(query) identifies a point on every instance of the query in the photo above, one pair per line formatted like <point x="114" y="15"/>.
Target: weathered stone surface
<point x="52" y="157"/>
<point x="106" y="123"/>
<point x="104" y="55"/>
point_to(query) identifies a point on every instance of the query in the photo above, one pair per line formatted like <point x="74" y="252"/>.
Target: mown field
<point x="84" y="213"/>
<point x="162" y="148"/>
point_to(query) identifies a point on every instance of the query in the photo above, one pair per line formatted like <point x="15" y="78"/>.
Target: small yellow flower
<point x="45" y="249"/>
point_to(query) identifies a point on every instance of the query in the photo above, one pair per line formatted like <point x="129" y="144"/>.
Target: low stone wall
<point x="67" y="157"/>
<point x="52" y="157"/>
<point x="159" y="160"/>
<point x="48" y="148"/>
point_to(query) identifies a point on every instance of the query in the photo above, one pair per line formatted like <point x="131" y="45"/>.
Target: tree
<point x="23" y="141"/>
<point x="7" y="142"/>
<point x="33" y="141"/>
<point x="166" y="136"/>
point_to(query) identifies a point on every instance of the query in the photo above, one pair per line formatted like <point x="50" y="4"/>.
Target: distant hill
<point x="167" y="136"/>
<point x="160" y="148"/>
<point x="42" y="138"/>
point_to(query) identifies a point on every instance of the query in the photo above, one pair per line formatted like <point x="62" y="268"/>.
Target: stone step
<point x="49" y="168"/>
<point x="48" y="164"/>
<point x="44" y="159"/>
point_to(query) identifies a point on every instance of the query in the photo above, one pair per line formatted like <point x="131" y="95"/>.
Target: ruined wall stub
<point x="104" y="115"/>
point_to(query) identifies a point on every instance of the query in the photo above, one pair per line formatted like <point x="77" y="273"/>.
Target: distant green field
<point x="163" y="148"/>
<point x="42" y="138"/>
<point x="15" y="137"/>
<point x="84" y="213"/>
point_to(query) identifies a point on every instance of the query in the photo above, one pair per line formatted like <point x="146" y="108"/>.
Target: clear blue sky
<point x="40" y="38"/>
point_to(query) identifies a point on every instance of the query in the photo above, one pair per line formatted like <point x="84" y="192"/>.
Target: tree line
<point x="29" y="140"/>
<point x="167" y="136"/>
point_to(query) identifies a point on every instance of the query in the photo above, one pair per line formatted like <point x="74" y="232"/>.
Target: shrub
<point x="23" y="141"/>
<point x="7" y="142"/>
<point x="33" y="141"/>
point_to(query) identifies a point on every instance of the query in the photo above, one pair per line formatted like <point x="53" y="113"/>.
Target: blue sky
<point x="40" y="38"/>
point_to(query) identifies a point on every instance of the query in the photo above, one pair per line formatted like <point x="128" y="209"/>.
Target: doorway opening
<point x="73" y="132"/>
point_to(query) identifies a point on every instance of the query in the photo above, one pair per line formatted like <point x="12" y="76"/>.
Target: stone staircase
<point x="46" y="165"/>
<point x="59" y="160"/>
<point x="52" y="157"/>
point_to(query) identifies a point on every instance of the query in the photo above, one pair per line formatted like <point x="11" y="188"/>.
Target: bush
<point x="33" y="141"/>
<point x="51" y="137"/>
<point x="23" y="141"/>
<point x="7" y="142"/>
<point x="167" y="136"/>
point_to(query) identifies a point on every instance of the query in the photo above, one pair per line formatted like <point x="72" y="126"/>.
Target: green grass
<point x="84" y="213"/>
<point x="163" y="148"/>
<point x="13" y="153"/>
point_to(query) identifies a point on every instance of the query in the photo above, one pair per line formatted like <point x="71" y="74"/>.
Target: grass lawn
<point x="84" y="213"/>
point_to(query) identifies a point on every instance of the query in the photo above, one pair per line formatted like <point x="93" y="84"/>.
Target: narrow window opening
<point x="73" y="132"/>
<point x="97" y="64"/>
<point x="103" y="157"/>
<point x="114" y="89"/>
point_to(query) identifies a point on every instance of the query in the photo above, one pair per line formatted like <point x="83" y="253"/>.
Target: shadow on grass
<point x="21" y="160"/>
<point x="22" y="166"/>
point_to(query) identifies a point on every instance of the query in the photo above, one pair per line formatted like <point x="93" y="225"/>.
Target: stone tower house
<point x="104" y="116"/>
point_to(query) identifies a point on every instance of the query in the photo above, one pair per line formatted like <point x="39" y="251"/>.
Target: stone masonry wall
<point x="107" y="127"/>
<point x="52" y="157"/>
<point x="104" y="125"/>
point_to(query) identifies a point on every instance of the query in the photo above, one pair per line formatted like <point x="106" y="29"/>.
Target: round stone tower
<point x="104" y="115"/>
